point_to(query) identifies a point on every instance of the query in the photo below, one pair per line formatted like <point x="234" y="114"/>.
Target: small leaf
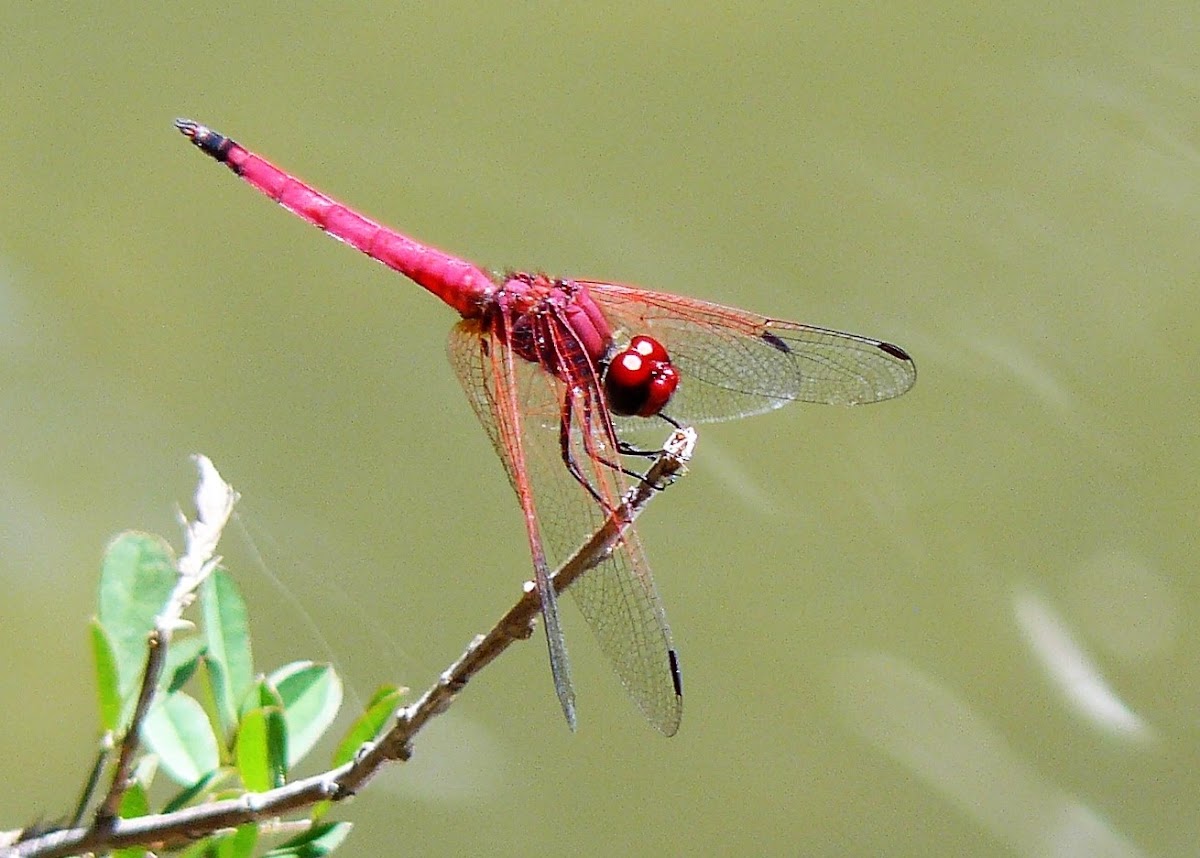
<point x="206" y="848"/>
<point x="182" y="659"/>
<point x="261" y="694"/>
<point x="189" y="794"/>
<point x="312" y="695"/>
<point x="145" y="769"/>
<point x="261" y="749"/>
<point x="132" y="852"/>
<point x="277" y="744"/>
<point x="368" y="725"/>
<point x="239" y="844"/>
<point x="227" y="632"/>
<point x="179" y="732"/>
<point x="136" y="579"/>
<point x="216" y="685"/>
<point x="251" y="752"/>
<point x="108" y="683"/>
<point x="319" y="840"/>
<point x="134" y="803"/>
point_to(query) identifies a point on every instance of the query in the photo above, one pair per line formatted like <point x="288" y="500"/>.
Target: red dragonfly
<point x="560" y="371"/>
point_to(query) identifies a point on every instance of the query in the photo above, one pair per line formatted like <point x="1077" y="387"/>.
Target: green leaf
<point x="144" y="769"/>
<point x="178" y="731"/>
<point x="189" y="794"/>
<point x="378" y="713"/>
<point x="182" y="659"/>
<point x="251" y="753"/>
<point x="132" y="852"/>
<point x="206" y="848"/>
<point x="277" y="745"/>
<point x="216" y="685"/>
<point x="134" y="803"/>
<point x="312" y="695"/>
<point x="227" y="632"/>
<point x="136" y="579"/>
<point x="108" y="683"/>
<point x="261" y="751"/>
<point x="319" y="840"/>
<point x="320" y="809"/>
<point x="239" y="844"/>
<point x="261" y="694"/>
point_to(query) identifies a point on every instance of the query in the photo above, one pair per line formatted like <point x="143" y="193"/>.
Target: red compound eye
<point x="663" y="382"/>
<point x="649" y="348"/>
<point x="629" y="371"/>
<point x="640" y="379"/>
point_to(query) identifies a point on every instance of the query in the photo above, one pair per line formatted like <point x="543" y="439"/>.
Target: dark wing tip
<point x="775" y="342"/>
<point x="905" y="370"/>
<point x="895" y="351"/>
<point x="676" y="676"/>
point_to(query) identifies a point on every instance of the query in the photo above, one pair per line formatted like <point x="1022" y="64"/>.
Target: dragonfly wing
<point x="617" y="598"/>
<point x="734" y="364"/>
<point x="487" y="371"/>
<point x="622" y="606"/>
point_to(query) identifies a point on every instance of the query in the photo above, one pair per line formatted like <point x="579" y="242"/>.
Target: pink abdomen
<point x="459" y="283"/>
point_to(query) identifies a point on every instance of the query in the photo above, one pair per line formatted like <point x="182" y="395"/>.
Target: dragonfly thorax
<point x="551" y="322"/>
<point x="555" y="323"/>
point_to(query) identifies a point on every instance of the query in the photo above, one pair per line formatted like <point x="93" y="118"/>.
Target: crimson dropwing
<point x="560" y="370"/>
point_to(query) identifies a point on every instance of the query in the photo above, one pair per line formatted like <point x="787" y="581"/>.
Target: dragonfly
<point x="561" y="372"/>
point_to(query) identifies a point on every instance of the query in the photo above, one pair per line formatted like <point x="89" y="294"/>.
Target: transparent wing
<point x="492" y="373"/>
<point x="734" y="364"/>
<point x="617" y="598"/>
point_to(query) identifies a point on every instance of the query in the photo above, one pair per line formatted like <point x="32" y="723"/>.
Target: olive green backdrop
<point x="959" y="623"/>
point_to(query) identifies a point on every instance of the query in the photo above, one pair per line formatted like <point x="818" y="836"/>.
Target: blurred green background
<point x="960" y="623"/>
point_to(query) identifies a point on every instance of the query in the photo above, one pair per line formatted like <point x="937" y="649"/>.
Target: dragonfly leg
<point x="627" y="449"/>
<point x="667" y="417"/>
<point x="568" y="457"/>
<point x="678" y="427"/>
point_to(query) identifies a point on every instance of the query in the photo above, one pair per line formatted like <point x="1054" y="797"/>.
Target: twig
<point x="215" y="500"/>
<point x="517" y="624"/>
<point x="175" y="829"/>
<point x="93" y="781"/>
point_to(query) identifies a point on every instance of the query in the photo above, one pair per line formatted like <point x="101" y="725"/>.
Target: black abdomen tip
<point x="206" y="140"/>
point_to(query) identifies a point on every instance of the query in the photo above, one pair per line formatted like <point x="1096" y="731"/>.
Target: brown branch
<point x="161" y="831"/>
<point x="517" y="624"/>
